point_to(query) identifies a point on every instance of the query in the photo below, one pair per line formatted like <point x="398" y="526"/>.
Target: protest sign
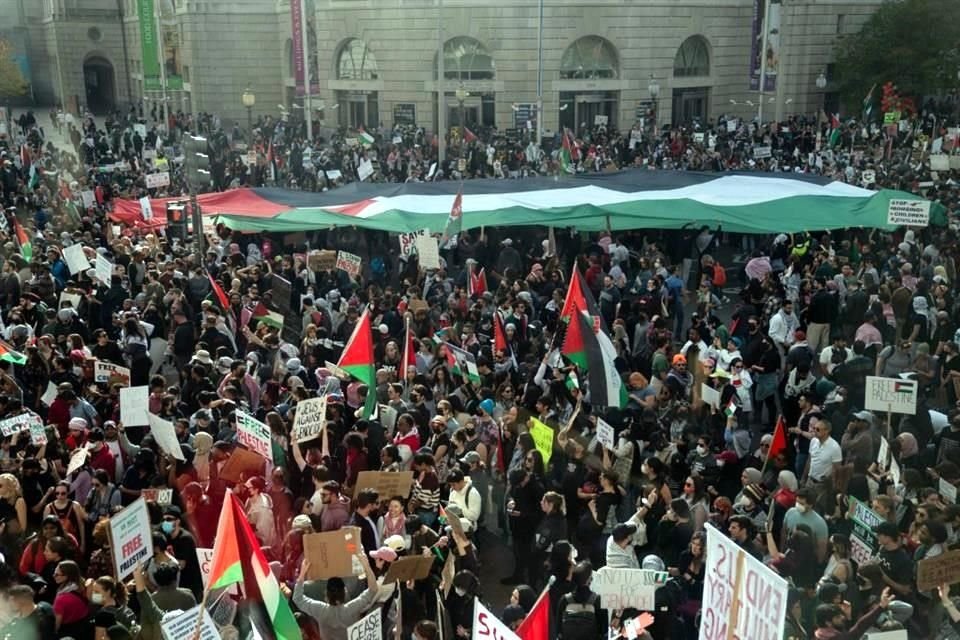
<point x="895" y="395"/>
<point x="863" y="541"/>
<point x="883" y="453"/>
<point x="542" y="438"/>
<point x="77" y="460"/>
<point x="109" y="373"/>
<point x="76" y="259"/>
<point x="104" y="270"/>
<point x="365" y="170"/>
<point x="162" y="497"/>
<point x="204" y="558"/>
<point x="134" y="402"/>
<point x="942" y="569"/>
<point x="183" y="626"/>
<point x="331" y="552"/>
<point x="38" y="434"/>
<point x="310" y="419"/>
<point x="742" y="597"/>
<point x="69" y="299"/>
<point x="337" y="372"/>
<point x="895" y="471"/>
<point x="349" y="262"/>
<point x="88" y="198"/>
<point x="628" y="588"/>
<point x="369" y="627"/>
<point x="908" y="213"/>
<point x="605" y="434"/>
<point x="388" y="416"/>
<point x="428" y="252"/>
<point x="323" y="260"/>
<point x="732" y="125"/>
<point x="242" y="461"/>
<point x="131" y="540"/>
<point x="487" y="626"/>
<point x="146" y="209"/>
<point x="19" y="423"/>
<point x="387" y="484"/>
<point x="948" y="491"/>
<point x="334" y="174"/>
<point x="50" y="394"/>
<point x="408" y="242"/>
<point x="155" y="180"/>
<point x="165" y="436"/>
<point x="762" y="152"/>
<point x="254" y="434"/>
<point x="899" y="634"/>
<point x="709" y="395"/>
<point x="940" y="162"/>
<point x="409" y="568"/>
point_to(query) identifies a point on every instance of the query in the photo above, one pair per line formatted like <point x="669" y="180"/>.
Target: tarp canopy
<point x="631" y="199"/>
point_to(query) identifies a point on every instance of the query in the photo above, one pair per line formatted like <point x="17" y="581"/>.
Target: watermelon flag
<point x="455" y="221"/>
<point x="572" y="382"/>
<point x="237" y="558"/>
<point x="23" y="238"/>
<point x="270" y="318"/>
<point x="357" y="360"/>
<point x="9" y="354"/>
<point x="603" y="380"/>
<point x="536" y="626"/>
<point x="477" y="285"/>
<point x="566" y="154"/>
<point x="34" y="177"/>
<point x="779" y="443"/>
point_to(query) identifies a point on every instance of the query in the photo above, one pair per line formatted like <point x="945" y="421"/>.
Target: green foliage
<point x="12" y="82"/>
<point x="913" y="43"/>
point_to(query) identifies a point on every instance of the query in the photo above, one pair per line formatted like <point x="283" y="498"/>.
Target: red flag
<point x="478" y="283"/>
<point x="536" y="626"/>
<point x="468" y="135"/>
<point x="499" y="334"/>
<point x="779" y="443"/>
<point x="219" y="293"/>
<point x="454" y="220"/>
<point x="409" y="352"/>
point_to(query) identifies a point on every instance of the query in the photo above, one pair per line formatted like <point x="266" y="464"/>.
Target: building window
<point x="466" y="59"/>
<point x="589" y="58"/>
<point x="94" y="34"/>
<point x="841" y="22"/>
<point x="693" y="58"/>
<point x="356" y="62"/>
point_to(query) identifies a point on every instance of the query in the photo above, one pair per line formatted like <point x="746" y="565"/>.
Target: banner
<point x="300" y="21"/>
<point x="487" y="626"/>
<point x="772" y="53"/>
<point x="148" y="44"/>
<point x="254" y="434"/>
<point x="628" y="588"/>
<point x="131" y="538"/>
<point x="742" y="597"/>
<point x="310" y="419"/>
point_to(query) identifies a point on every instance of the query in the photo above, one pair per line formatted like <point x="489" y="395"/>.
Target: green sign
<point x="863" y="541"/>
<point x="891" y="117"/>
<point x="170" y="41"/>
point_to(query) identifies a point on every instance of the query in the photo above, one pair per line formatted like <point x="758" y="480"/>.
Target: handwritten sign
<point x="77" y="459"/>
<point x="387" y="484"/>
<point x="863" y="541"/>
<point x="76" y="259"/>
<point x="204" y="558"/>
<point x="542" y="438"/>
<point x="628" y="588"/>
<point x="740" y="593"/>
<point x="369" y="627"/>
<point x="709" y="395"/>
<point x="310" y="419"/>
<point x="349" y="262"/>
<point x="19" y="423"/>
<point x="487" y="626"/>
<point x="895" y="395"/>
<point x="131" y="538"/>
<point x="109" y="373"/>
<point x="323" y="260"/>
<point x="162" y="497"/>
<point x="134" y="402"/>
<point x="933" y="572"/>
<point x="605" y="436"/>
<point x="331" y="552"/>
<point x="241" y="464"/>
<point x="408" y="242"/>
<point x="254" y="435"/>
<point x="409" y="568"/>
<point x="428" y="251"/>
<point x="165" y="436"/>
<point x="104" y="270"/>
<point x="948" y="491"/>
<point x="38" y="434"/>
<point x="908" y="213"/>
<point x="156" y="180"/>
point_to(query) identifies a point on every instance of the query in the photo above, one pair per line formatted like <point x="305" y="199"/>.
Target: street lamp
<point x="654" y="89"/>
<point x="249" y="99"/>
<point x="462" y="94"/>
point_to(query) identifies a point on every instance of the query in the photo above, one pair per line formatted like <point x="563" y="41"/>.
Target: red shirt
<point x="71" y="607"/>
<point x="104" y="459"/>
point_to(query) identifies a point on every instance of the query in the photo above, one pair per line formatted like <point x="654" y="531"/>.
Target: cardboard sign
<point x="487" y="626"/>
<point x="19" y="423"/>
<point x="740" y="593"/>
<point x="428" y="251"/>
<point x="184" y="625"/>
<point x="409" y="568"/>
<point x="162" y="497"/>
<point x="254" y="434"/>
<point x="156" y="180"/>
<point x="310" y="419"/>
<point x="933" y="572"/>
<point x="387" y="484"/>
<point x="369" y="627"/>
<point x="628" y="588"/>
<point x="605" y="436"/>
<point x="909" y="213"/>
<point x="165" y="436"/>
<point x="349" y="262"/>
<point x="109" y="373"/>
<point x="104" y="270"/>
<point x="408" y="242"/>
<point x="204" y="557"/>
<point x="863" y="541"/>
<point x="134" y="405"/>
<point x="895" y="395"/>
<point x="331" y="553"/>
<point x="76" y="259"/>
<point x="947" y="491"/>
<point x="242" y="462"/>
<point x="131" y="538"/>
<point x="323" y="260"/>
<point x="542" y="438"/>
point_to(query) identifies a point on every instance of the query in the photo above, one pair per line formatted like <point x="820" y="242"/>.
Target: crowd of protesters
<point x="790" y="337"/>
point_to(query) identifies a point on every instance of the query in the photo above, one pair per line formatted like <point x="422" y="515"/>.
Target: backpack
<point x="578" y="619"/>
<point x="719" y="275"/>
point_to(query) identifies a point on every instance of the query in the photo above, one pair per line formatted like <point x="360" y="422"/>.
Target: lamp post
<point x="249" y="99"/>
<point x="462" y="94"/>
<point x="821" y="85"/>
<point x="654" y="89"/>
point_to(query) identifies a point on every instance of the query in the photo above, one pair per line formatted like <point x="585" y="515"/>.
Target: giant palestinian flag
<point x="630" y="199"/>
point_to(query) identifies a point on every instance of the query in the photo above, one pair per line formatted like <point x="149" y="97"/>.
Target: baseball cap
<point x="472" y="457"/>
<point x="866" y="416"/>
<point x="384" y="553"/>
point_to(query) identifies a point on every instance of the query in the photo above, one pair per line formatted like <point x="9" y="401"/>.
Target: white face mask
<point x="460" y="592"/>
<point x="96" y="598"/>
<point x="746" y="503"/>
<point x="802" y="508"/>
<point x="701" y="450"/>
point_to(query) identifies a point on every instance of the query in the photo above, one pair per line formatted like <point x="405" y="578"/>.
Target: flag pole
<point x="406" y="339"/>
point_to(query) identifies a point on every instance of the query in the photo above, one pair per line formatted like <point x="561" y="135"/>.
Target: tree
<point x="12" y="83"/>
<point x="911" y="43"/>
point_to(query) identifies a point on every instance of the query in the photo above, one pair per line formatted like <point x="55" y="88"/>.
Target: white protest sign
<point x="77" y="460"/>
<point x="165" y="436"/>
<point x="19" y="423"/>
<point x="141" y="130"/>
<point x="134" y="402"/>
<point x="940" y="162"/>
<point x="742" y="597"/>
<point x="408" y="242"/>
<point x="254" y="434"/>
<point x="948" y="491"/>
<point x="909" y="213"/>
<point x="38" y="435"/>
<point x="601" y="120"/>
<point x="709" y="395"/>
<point x="606" y="437"/>
<point x="184" y="625"/>
<point x="428" y="251"/>
<point x="88" y="198"/>
<point x="50" y="394"/>
<point x="104" y="270"/>
<point x="349" y="262"/>
<point x="131" y="538"/>
<point x="204" y="557"/>
<point x="698" y="137"/>
<point x="732" y="125"/>
<point x="487" y="626"/>
<point x="160" y="496"/>
<point x="146" y="209"/>
<point x="882" y="453"/>
<point x="155" y="180"/>
<point x="628" y="588"/>
<point x="310" y="419"/>
<point x="397" y="139"/>
<point x="76" y="260"/>
<point x="895" y="471"/>
<point x="334" y="174"/>
<point x="869" y="176"/>
<point x="762" y="152"/>
<point x="891" y="394"/>
<point x="433" y="170"/>
<point x="365" y="170"/>
<point x="107" y="372"/>
<point x="369" y="627"/>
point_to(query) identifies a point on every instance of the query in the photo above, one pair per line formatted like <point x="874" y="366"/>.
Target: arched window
<point x="589" y="58"/>
<point x="356" y="62"/>
<point x="465" y="58"/>
<point x="693" y="58"/>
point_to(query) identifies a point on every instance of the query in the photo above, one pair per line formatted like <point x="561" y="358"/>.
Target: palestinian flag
<point x="835" y="131"/>
<point x="477" y="284"/>
<point x="469" y="136"/>
<point x="237" y="558"/>
<point x="603" y="380"/>
<point x="868" y="104"/>
<point x="579" y="298"/>
<point x="904" y="387"/>
<point x="779" y="443"/>
<point x="462" y="363"/>
<point x="23" y="239"/>
<point x="573" y="348"/>
<point x="500" y="339"/>
<point x="8" y="353"/>
<point x="409" y="351"/>
<point x="572" y="381"/>
<point x="220" y="294"/>
<point x="269" y="318"/>
<point x="731" y="407"/>
<point x="366" y="138"/>
<point x="455" y="220"/>
<point x="357" y="360"/>
<point x="566" y="154"/>
<point x="34" y="177"/>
